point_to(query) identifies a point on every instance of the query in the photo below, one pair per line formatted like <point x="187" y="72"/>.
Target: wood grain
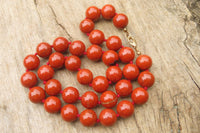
<point x="167" y="30"/>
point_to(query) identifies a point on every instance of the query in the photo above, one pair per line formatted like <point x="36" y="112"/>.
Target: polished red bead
<point x="70" y="95"/>
<point x="123" y="87"/>
<point x="110" y="57"/>
<point x="94" y="52"/>
<point x="100" y="84"/>
<point x="114" y="43"/>
<point x="88" y="117"/>
<point x="130" y="71"/>
<point x="120" y="21"/>
<point x="56" y="60"/>
<point x="139" y="96"/>
<point x="53" y="87"/>
<point x="60" y="44"/>
<point x="125" y="108"/>
<point x="45" y="72"/>
<point x="114" y="74"/>
<point x="107" y="117"/>
<point x="69" y="112"/>
<point x="96" y="37"/>
<point x="52" y="104"/>
<point x="84" y="76"/>
<point x="143" y="62"/>
<point x="126" y="54"/>
<point x="93" y="13"/>
<point x="108" y="99"/>
<point x="31" y="62"/>
<point x="77" y="48"/>
<point x="29" y="79"/>
<point x="146" y="79"/>
<point x="86" y="26"/>
<point x="89" y="99"/>
<point x="36" y="94"/>
<point x="108" y="11"/>
<point x="44" y="50"/>
<point x="73" y="63"/>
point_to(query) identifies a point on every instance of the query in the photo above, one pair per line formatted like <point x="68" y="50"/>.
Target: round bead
<point x="114" y="43"/>
<point x="126" y="54"/>
<point x="93" y="13"/>
<point x="45" y="72"/>
<point x="146" y="79"/>
<point x="139" y="96"/>
<point x="89" y="99"/>
<point x="53" y="87"/>
<point x="60" y="44"/>
<point x="73" y="63"/>
<point x="29" y="79"/>
<point x="114" y="74"/>
<point x="56" y="60"/>
<point x="94" y="52"/>
<point x="143" y="62"/>
<point x="96" y="37"/>
<point x="77" y="48"/>
<point x="84" y="76"/>
<point x="70" y="95"/>
<point x="44" y="50"/>
<point x="110" y="57"/>
<point x="31" y="62"/>
<point x="52" y="104"/>
<point x="86" y="25"/>
<point x="88" y="117"/>
<point x="130" y="71"/>
<point x="120" y="21"/>
<point x="36" y="94"/>
<point x="69" y="112"/>
<point x="108" y="99"/>
<point x="107" y="117"/>
<point x="123" y="87"/>
<point x="125" y="108"/>
<point x="108" y="11"/>
<point x="100" y="84"/>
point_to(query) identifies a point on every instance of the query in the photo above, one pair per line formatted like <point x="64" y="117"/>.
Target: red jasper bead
<point x="114" y="73"/>
<point x="31" y="62"/>
<point x="107" y="117"/>
<point x="69" y="112"/>
<point x="84" y="76"/>
<point x="114" y="43"/>
<point x="60" y="44"/>
<point x="70" y="95"/>
<point x="93" y="13"/>
<point x="88" y="117"/>
<point x="100" y="84"/>
<point x="86" y="25"/>
<point x="146" y="79"/>
<point x="125" y="108"/>
<point x="29" y="79"/>
<point x="36" y="94"/>
<point x="126" y="54"/>
<point x="110" y="57"/>
<point x="56" y="60"/>
<point x="123" y="87"/>
<point x="96" y="37"/>
<point x="73" y="63"/>
<point x="52" y="104"/>
<point x="139" y="96"/>
<point x="143" y="62"/>
<point x="53" y="87"/>
<point x="89" y="99"/>
<point x="108" y="99"/>
<point x="77" y="48"/>
<point x="44" y="49"/>
<point x="120" y="21"/>
<point x="130" y="71"/>
<point x="45" y="72"/>
<point x="94" y="52"/>
<point x="108" y="11"/>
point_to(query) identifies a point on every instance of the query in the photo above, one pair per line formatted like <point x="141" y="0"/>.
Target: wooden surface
<point x="167" y="30"/>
